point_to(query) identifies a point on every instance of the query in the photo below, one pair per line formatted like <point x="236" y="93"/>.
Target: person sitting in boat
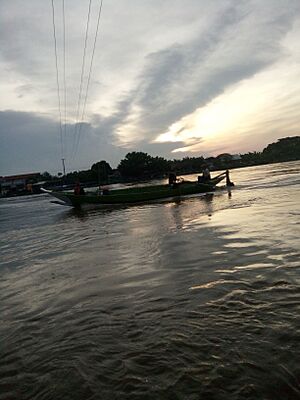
<point x="173" y="180"/>
<point x="78" y="189"/>
<point x="103" y="190"/>
<point x="205" y="175"/>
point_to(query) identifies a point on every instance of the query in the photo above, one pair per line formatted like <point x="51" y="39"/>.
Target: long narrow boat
<point x="134" y="195"/>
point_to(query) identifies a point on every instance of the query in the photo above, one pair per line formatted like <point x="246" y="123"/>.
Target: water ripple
<point x="194" y="299"/>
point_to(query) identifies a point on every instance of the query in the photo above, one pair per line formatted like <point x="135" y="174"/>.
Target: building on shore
<point x="15" y="185"/>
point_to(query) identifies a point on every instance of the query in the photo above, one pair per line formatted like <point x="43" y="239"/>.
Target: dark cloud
<point x="32" y="142"/>
<point x="28" y="143"/>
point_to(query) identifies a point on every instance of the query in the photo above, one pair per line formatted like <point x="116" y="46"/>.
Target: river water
<point x="193" y="299"/>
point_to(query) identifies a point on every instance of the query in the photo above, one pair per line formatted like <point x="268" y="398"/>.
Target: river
<point x="190" y="299"/>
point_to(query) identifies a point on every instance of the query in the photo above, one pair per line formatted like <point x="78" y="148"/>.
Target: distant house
<point x="224" y="157"/>
<point x="226" y="160"/>
<point x="18" y="183"/>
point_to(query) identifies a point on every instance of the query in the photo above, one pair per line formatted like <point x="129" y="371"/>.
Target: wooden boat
<point x="134" y="195"/>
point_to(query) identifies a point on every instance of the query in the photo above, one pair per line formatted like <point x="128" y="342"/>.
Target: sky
<point x="171" y="78"/>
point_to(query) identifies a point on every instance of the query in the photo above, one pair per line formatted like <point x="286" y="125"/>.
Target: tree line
<point x="138" y="165"/>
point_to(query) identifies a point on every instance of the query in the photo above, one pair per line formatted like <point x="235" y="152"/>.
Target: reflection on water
<point x="193" y="299"/>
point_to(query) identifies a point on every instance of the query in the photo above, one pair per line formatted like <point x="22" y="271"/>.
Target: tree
<point x="135" y="165"/>
<point x="158" y="166"/>
<point x="251" y="158"/>
<point x="285" y="149"/>
<point x="46" y="176"/>
<point x="101" y="170"/>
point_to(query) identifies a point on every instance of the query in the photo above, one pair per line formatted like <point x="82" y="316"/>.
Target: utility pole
<point x="64" y="167"/>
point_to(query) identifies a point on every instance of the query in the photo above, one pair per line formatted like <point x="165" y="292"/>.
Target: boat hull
<point x="136" y="194"/>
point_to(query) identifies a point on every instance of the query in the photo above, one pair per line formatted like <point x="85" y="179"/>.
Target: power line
<point x="64" y="68"/>
<point x="57" y="81"/>
<point x="81" y="78"/>
<point x="90" y="73"/>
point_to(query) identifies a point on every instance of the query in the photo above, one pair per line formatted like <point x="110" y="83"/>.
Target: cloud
<point x="159" y="67"/>
<point x="31" y="142"/>
<point x="240" y="42"/>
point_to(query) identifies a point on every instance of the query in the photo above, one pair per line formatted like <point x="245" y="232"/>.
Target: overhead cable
<point x="64" y="75"/>
<point x="57" y="81"/>
<point x="89" y="75"/>
<point x="81" y="78"/>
